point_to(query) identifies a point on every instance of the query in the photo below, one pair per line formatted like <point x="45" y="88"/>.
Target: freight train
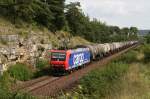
<point x="68" y="60"/>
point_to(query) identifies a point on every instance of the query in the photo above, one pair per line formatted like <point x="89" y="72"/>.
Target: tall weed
<point x="102" y="82"/>
<point x="5" y="93"/>
<point x="41" y="64"/>
<point x="129" y="57"/>
<point x="4" y="85"/>
<point x="20" y="72"/>
<point x="146" y="51"/>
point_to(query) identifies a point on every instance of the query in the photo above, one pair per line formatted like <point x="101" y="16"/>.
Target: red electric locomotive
<point x="59" y="59"/>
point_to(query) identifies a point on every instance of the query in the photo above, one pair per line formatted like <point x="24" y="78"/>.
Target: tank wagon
<point x="67" y="60"/>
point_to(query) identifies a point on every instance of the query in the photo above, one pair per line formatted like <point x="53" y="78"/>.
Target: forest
<point x="56" y="15"/>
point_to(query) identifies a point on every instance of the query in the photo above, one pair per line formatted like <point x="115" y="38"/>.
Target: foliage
<point x="41" y="64"/>
<point x="42" y="72"/>
<point x="100" y="83"/>
<point x="4" y="85"/>
<point x="128" y="57"/>
<point x="20" y="72"/>
<point x="21" y="96"/>
<point x="43" y="68"/>
<point x="49" y="14"/>
<point x="146" y="51"/>
<point x="147" y="38"/>
<point x="57" y="8"/>
<point x="55" y="15"/>
<point x="5" y="94"/>
<point x="5" y="81"/>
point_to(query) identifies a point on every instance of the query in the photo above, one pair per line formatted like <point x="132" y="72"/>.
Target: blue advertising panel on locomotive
<point x="79" y="58"/>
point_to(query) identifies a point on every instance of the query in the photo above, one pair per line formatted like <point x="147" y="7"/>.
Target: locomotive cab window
<point x="58" y="56"/>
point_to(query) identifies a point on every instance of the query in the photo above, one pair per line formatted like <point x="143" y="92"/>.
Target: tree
<point x="42" y="15"/>
<point x="125" y="33"/>
<point x="55" y="15"/>
<point x="78" y="22"/>
<point x="28" y="11"/>
<point x="57" y="9"/>
<point x="147" y="38"/>
<point x="74" y="17"/>
<point x="133" y="32"/>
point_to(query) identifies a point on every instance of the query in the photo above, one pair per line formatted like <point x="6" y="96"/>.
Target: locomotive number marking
<point x="78" y="59"/>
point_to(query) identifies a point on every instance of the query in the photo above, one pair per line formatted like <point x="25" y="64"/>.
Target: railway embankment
<point x="125" y="77"/>
<point x="52" y="86"/>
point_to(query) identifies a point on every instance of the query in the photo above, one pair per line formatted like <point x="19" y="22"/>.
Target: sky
<point x="122" y="13"/>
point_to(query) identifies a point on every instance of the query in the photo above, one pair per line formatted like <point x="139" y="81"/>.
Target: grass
<point x="135" y="84"/>
<point x="127" y="77"/>
<point x="20" y="72"/>
<point x="128" y="57"/>
<point x="146" y="52"/>
<point x="41" y="64"/>
<point x="102" y="82"/>
<point x="5" y="93"/>
<point x="43" y="68"/>
<point x="78" y="41"/>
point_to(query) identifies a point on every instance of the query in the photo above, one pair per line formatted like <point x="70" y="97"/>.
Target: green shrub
<point x="100" y="83"/>
<point x="43" y="69"/>
<point x="103" y="82"/>
<point x="43" y="72"/>
<point x="5" y="94"/>
<point x="41" y="64"/>
<point x="139" y="48"/>
<point x="22" y="96"/>
<point x="129" y="57"/>
<point x="146" y="51"/>
<point x="4" y="85"/>
<point x="20" y="72"/>
<point x="147" y="38"/>
<point x="5" y="80"/>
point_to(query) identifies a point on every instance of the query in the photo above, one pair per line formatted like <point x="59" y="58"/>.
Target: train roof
<point x="79" y="50"/>
<point x="72" y="50"/>
<point x="58" y="50"/>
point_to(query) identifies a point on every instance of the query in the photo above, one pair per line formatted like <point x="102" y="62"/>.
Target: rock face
<point x="27" y="46"/>
<point x="19" y="49"/>
<point x="9" y="38"/>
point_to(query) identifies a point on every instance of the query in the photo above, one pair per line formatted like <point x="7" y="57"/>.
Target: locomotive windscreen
<point x="58" y="56"/>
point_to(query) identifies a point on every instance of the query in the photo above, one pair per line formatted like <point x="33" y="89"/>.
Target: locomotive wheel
<point x="70" y="71"/>
<point x="83" y="66"/>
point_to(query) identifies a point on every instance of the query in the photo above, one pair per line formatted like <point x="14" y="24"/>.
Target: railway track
<point x="39" y="84"/>
<point x="29" y="83"/>
<point x="51" y="86"/>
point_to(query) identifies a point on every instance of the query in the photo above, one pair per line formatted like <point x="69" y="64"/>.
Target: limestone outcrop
<point x="24" y="50"/>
